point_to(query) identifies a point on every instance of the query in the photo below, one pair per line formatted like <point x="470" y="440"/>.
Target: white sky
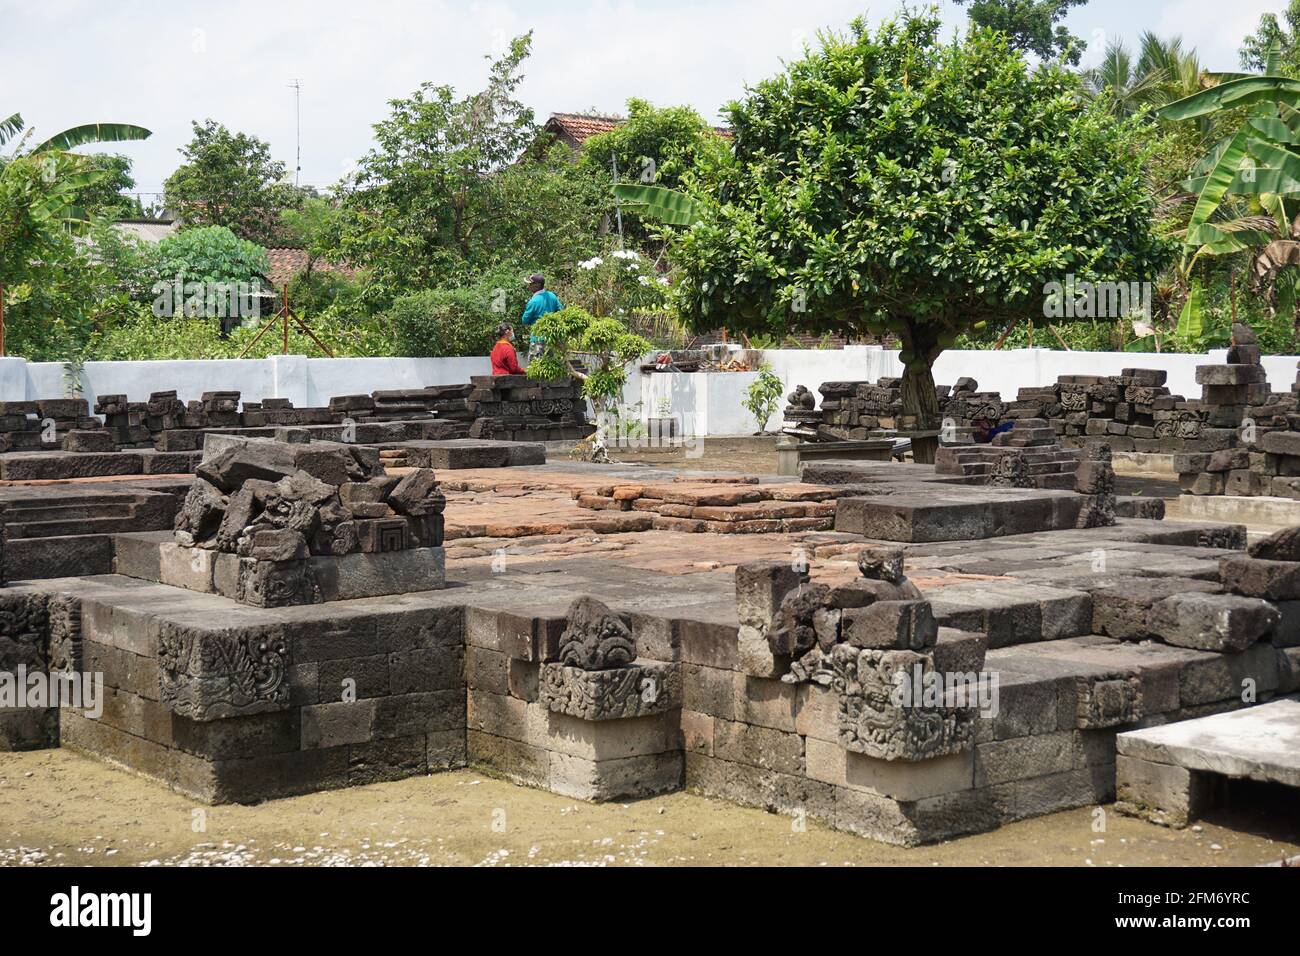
<point x="163" y="63"/>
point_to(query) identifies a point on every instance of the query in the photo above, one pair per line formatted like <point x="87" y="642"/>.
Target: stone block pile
<point x="253" y="705"/>
<point x="45" y="424"/>
<point x="125" y="422"/>
<point x="572" y="702"/>
<point x="1239" y="415"/>
<point x="265" y="518"/>
<point x="1132" y="411"/>
<point x="855" y="411"/>
<point x="502" y="407"/>
<point x="518" y="408"/>
<point x="864" y="639"/>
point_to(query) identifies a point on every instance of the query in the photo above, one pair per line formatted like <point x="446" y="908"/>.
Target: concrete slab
<point x="1256" y="743"/>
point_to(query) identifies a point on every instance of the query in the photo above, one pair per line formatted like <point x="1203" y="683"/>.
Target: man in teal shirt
<point x="542" y="302"/>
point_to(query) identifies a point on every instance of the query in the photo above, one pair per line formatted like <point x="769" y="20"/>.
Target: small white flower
<point x="625" y="254"/>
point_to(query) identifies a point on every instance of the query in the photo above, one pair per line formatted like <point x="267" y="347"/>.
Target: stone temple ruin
<point x="903" y="651"/>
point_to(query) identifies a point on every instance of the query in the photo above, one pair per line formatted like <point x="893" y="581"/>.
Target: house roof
<point x="575" y="128"/>
<point x="150" y="230"/>
<point x="288" y="262"/>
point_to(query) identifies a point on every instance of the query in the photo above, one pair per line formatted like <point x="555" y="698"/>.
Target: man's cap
<point x="537" y="277"/>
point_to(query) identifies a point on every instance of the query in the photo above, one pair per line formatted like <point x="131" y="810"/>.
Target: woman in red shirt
<point x="504" y="359"/>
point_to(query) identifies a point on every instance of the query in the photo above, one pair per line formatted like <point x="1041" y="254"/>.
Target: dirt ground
<point x="59" y="808"/>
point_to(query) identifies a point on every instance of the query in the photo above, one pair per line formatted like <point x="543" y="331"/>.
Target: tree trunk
<point x="920" y="404"/>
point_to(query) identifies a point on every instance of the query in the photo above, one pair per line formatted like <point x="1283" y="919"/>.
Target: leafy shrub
<point x="762" y="396"/>
<point x="212" y="254"/>
<point x="143" y="336"/>
<point x="602" y="344"/>
<point x="455" y="320"/>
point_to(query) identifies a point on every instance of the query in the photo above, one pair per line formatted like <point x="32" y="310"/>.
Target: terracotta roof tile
<point x="576" y="128"/>
<point x="287" y="263"/>
<point x="580" y="127"/>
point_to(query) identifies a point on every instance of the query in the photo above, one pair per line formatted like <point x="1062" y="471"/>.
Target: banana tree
<point x="1259" y="163"/>
<point x="63" y="171"/>
<point x="38" y="188"/>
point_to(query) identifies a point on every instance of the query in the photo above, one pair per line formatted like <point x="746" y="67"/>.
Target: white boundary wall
<point x="706" y="403"/>
<point x="712" y="403"/>
<point x="307" y="382"/>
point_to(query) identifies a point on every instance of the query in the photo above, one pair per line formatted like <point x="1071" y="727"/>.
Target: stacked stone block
<point x="20" y="427"/>
<point x="572" y="704"/>
<point x="265" y="521"/>
<point x="44" y="424"/>
<point x="326" y="698"/>
<point x="125" y="422"/>
<point x="518" y="408"/>
<point x="854" y="411"/>
<point x="1132" y="411"/>
<point x="1028" y="455"/>
<point x="40" y="633"/>
<point x="1227" y="457"/>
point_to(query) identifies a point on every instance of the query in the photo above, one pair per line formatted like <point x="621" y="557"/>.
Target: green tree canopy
<point x="889" y="183"/>
<point x="56" y="292"/>
<point x="1255" y="48"/>
<point x="211" y="254"/>
<point x="658" y="146"/>
<point x="106" y="197"/>
<point x="229" y="179"/>
<point x="441" y="195"/>
<point x="1031" y="25"/>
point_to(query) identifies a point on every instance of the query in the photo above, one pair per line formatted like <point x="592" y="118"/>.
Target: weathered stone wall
<point x="337" y="697"/>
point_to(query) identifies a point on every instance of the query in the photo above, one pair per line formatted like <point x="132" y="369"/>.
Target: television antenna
<point x="296" y="86"/>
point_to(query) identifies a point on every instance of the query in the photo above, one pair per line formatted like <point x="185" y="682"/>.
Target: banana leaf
<point x="1147" y="343"/>
<point x="1217" y="242"/>
<point x="657" y="202"/>
<point x="1274" y="156"/>
<point x="1275" y="130"/>
<point x="1219" y="180"/>
<point x="1242" y="92"/>
<point x="1206" y="162"/>
<point x="1252" y="182"/>
<point x="1290" y="116"/>
<point x="1275" y="206"/>
<point x="57" y="202"/>
<point x="94" y="133"/>
<point x="1191" y="321"/>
